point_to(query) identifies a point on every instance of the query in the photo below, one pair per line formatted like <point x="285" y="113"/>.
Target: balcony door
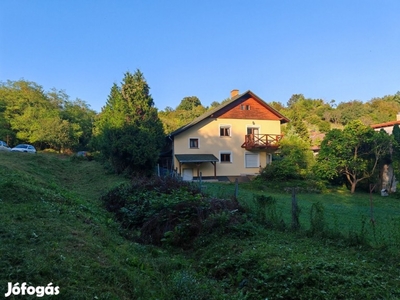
<point x="252" y="130"/>
<point x="252" y="135"/>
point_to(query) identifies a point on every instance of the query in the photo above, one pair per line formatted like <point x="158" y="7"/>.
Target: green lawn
<point x="54" y="229"/>
<point x="344" y="213"/>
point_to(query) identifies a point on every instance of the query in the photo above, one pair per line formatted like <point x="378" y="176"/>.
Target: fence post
<point x="371" y="189"/>
<point x="236" y="189"/>
<point x="295" y="211"/>
<point x="200" y="181"/>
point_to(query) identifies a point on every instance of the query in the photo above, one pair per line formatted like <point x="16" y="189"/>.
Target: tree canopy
<point x="354" y="152"/>
<point x="189" y="103"/>
<point x="45" y="119"/>
<point x="188" y="109"/>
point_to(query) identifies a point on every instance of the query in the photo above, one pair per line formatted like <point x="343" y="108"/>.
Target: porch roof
<point x="195" y="158"/>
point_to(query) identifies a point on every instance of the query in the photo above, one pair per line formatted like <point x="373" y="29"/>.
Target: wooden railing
<point x="261" y="141"/>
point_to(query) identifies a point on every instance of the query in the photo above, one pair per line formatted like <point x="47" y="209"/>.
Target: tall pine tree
<point x="129" y="133"/>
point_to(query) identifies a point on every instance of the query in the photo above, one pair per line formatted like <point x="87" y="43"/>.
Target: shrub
<point x="280" y="170"/>
<point x="167" y="211"/>
<point x="294" y="161"/>
<point x="267" y="212"/>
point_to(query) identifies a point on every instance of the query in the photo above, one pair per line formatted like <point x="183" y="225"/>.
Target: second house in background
<point x="233" y="139"/>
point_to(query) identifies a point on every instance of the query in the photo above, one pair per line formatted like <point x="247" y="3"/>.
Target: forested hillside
<point x="308" y="116"/>
<point x="49" y="119"/>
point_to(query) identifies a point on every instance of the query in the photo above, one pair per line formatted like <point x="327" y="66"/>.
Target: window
<point x="245" y="107"/>
<point x="193" y="143"/>
<point x="225" y="157"/>
<point x="251" y="160"/>
<point x="225" y="130"/>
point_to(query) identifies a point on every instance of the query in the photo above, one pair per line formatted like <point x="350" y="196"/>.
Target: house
<point x="316" y="139"/>
<point x="387" y="126"/>
<point x="234" y="139"/>
<point x="387" y="176"/>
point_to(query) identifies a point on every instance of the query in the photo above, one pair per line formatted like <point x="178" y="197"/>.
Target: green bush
<point x="280" y="170"/>
<point x="167" y="211"/>
<point x="294" y="161"/>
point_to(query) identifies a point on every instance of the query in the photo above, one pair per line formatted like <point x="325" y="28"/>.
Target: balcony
<point x="261" y="141"/>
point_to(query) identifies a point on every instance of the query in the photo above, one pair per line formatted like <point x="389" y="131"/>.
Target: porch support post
<point x="198" y="169"/>
<point x="215" y="169"/>
<point x="180" y="169"/>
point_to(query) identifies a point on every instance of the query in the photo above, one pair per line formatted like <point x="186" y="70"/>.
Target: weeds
<point x="317" y="219"/>
<point x="267" y="211"/>
<point x="167" y="211"/>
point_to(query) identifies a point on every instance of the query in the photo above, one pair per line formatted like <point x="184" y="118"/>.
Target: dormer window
<point x="225" y="130"/>
<point x="245" y="107"/>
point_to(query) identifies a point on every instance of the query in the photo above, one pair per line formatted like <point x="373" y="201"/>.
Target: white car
<point x="24" y="148"/>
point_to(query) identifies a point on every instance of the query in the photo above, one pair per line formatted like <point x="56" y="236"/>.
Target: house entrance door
<point x="187" y="174"/>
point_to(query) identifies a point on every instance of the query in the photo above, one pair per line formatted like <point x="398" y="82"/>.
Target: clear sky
<point x="329" y="49"/>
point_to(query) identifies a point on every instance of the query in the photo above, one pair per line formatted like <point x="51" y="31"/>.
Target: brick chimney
<point x="234" y="93"/>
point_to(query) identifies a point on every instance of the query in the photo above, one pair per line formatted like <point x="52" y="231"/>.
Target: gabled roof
<point x="237" y="98"/>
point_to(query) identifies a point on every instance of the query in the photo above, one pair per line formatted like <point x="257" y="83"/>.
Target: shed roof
<point x="195" y="158"/>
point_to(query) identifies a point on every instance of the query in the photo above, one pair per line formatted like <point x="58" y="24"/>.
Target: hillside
<point x="54" y="229"/>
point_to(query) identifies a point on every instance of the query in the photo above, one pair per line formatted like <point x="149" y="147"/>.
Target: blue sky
<point x="342" y="50"/>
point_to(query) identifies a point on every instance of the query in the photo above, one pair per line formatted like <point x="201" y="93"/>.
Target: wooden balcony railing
<point x="261" y="141"/>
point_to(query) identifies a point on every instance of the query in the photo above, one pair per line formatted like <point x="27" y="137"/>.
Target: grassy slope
<point x="53" y="229"/>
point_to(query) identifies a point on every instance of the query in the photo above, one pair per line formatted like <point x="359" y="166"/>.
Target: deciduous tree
<point x="79" y="115"/>
<point x="354" y="152"/>
<point x="29" y="114"/>
<point x="189" y="103"/>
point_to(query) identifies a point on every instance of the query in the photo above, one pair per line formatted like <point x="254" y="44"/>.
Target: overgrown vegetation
<point x="294" y="160"/>
<point x="168" y="211"/>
